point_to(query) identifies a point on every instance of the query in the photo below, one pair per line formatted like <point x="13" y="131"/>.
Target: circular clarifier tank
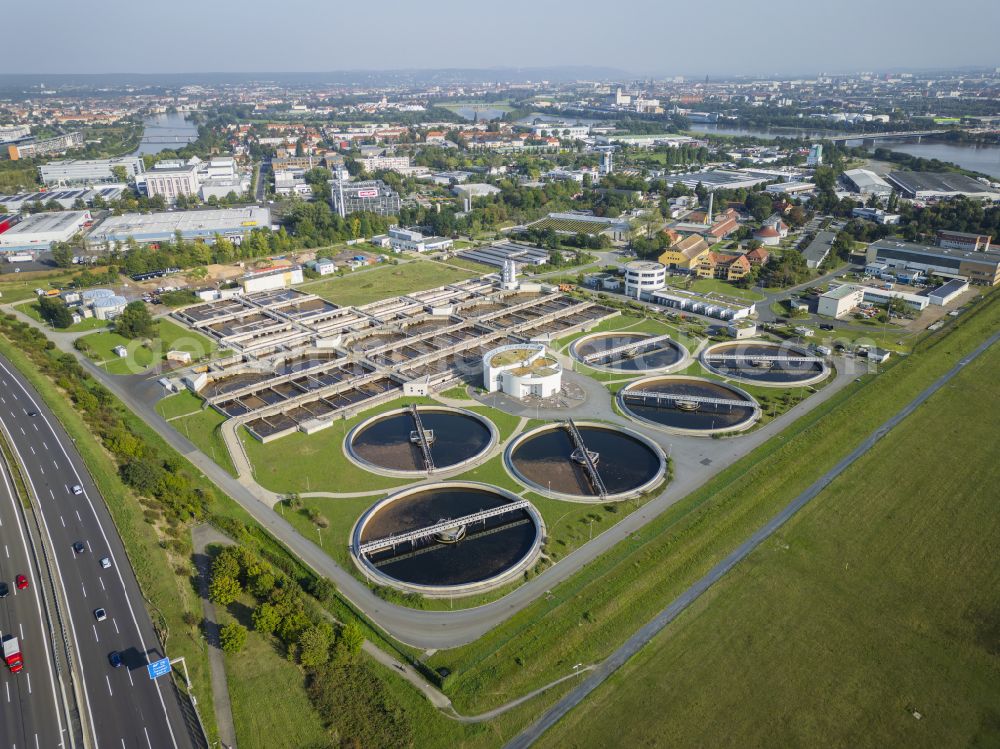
<point x="630" y="352"/>
<point x="690" y="405"/>
<point x="393" y="443"/>
<point x="551" y="460"/>
<point x="765" y="363"/>
<point x="447" y="539"/>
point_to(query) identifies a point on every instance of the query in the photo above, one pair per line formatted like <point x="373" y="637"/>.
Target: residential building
<point x="978" y="267"/>
<point x="89" y="171"/>
<point x="961" y="240"/>
<point x="59" y="144"/>
<point x="815" y="157"/>
<point x="723" y="266"/>
<point x="10" y="133"/>
<point x="758" y="256"/>
<point x="376" y="163"/>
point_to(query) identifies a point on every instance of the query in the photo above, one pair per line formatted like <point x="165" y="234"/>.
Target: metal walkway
<point x="422" y="438"/>
<point x="674" y="398"/>
<point x="624" y="348"/>
<point x="445" y="525"/>
<point x="588" y="460"/>
<point x="761" y="357"/>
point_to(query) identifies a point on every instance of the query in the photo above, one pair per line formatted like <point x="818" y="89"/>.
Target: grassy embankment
<point x="868" y="620"/>
<point x="585" y="618"/>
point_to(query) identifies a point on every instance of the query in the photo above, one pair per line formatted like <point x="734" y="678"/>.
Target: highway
<point x="31" y="712"/>
<point x="125" y="708"/>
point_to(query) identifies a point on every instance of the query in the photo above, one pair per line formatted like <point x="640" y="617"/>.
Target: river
<point x="973" y="156"/>
<point x="163" y="131"/>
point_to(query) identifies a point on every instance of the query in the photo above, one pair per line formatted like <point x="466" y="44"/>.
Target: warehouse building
<point x="718" y="179"/>
<point x="978" y="267"/>
<point x="269" y="279"/>
<point x="937" y="185"/>
<point x="66" y="198"/>
<point x="370" y="195"/>
<point x="948" y="292"/>
<point x="231" y="223"/>
<point x="710" y="305"/>
<point x="89" y="171"/>
<point x="496" y="254"/>
<point x="866" y="182"/>
<point x="39" y="231"/>
<point x="819" y="249"/>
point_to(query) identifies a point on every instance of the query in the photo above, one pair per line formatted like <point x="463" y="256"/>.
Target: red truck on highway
<point x="12" y="655"/>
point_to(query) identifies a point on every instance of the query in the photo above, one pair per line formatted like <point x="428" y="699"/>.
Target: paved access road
<point x="31" y="712"/>
<point x="125" y="708"/>
<point x="637" y="641"/>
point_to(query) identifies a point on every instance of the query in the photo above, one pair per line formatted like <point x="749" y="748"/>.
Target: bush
<point x="232" y="637"/>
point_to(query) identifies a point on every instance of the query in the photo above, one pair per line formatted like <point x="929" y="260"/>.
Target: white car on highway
<point x="77" y="489"/>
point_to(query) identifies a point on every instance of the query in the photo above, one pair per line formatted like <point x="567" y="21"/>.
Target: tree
<point x="352" y="637"/>
<point x="227" y="564"/>
<point x="314" y="644"/>
<point x="266" y="618"/>
<point x="62" y="254"/>
<point x="120" y="174"/>
<point x="134" y="321"/>
<point x="55" y="312"/>
<point x="223" y="589"/>
<point x="232" y="637"/>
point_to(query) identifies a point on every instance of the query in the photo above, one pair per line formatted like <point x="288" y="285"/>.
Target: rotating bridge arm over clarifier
<point x="586" y="458"/>
<point x="762" y="357"/>
<point x="423" y="438"/>
<point x="445" y="525"/>
<point x="624" y="349"/>
<point x="658" y="397"/>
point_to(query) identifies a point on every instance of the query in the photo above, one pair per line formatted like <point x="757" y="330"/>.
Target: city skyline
<point x="642" y="38"/>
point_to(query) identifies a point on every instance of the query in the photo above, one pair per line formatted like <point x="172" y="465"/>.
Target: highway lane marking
<point x="36" y="741"/>
<point x="28" y="674"/>
<point x="34" y="589"/>
<point x="101" y="580"/>
<point x="95" y="632"/>
<point x="52" y="493"/>
<point x="84" y="590"/>
<point x="36" y="427"/>
<point x="116" y="626"/>
<point x="56" y="465"/>
<point x="89" y="547"/>
<point x="121" y="579"/>
<point x="129" y="672"/>
<point x="78" y="516"/>
<point x="44" y="444"/>
<point x="22" y="431"/>
<point x="148" y="742"/>
<point x="30" y="447"/>
<point x="111" y="693"/>
<point x="20" y="626"/>
<point x="62" y="521"/>
<point x="8" y="690"/>
<point x="41" y="469"/>
<point x="6" y="550"/>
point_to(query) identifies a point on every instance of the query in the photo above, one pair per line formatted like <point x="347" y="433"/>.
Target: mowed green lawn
<point x="878" y="603"/>
<point x="169" y="336"/>
<point x="364" y="286"/>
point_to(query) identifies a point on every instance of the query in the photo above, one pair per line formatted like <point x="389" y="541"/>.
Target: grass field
<point x="179" y="404"/>
<point x="877" y="601"/>
<point x="270" y="706"/>
<point x="90" y="323"/>
<point x="169" y="336"/>
<point x="715" y="286"/>
<point x="202" y="428"/>
<point x="16" y="287"/>
<point x="586" y="617"/>
<point x="362" y="287"/>
<point x="569" y="225"/>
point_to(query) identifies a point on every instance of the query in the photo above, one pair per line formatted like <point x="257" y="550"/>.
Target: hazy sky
<point x="641" y="36"/>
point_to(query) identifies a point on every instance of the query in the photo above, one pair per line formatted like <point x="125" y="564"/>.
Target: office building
<point x="39" y="231"/>
<point x="171" y="179"/>
<point x="978" y="267"/>
<point x="291" y="182"/>
<point x="59" y="144"/>
<point x="642" y="277"/>
<point x="375" y="163"/>
<point x="815" y="157"/>
<point x="839" y="301"/>
<point x="414" y="241"/>
<point x="962" y="240"/>
<point x="371" y="195"/>
<point x="90" y="171"/>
